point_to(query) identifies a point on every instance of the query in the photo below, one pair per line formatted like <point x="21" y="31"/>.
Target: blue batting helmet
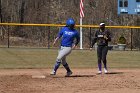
<point x="70" y="21"/>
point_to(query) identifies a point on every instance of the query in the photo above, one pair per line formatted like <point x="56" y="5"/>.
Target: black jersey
<point x="102" y="38"/>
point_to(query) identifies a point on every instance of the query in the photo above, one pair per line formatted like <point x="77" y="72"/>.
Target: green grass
<point x="45" y="58"/>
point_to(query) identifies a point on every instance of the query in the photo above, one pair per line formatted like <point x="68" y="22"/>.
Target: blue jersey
<point x="68" y="36"/>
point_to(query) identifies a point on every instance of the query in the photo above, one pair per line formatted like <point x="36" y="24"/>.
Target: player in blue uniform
<point x="68" y="35"/>
<point x="102" y="37"/>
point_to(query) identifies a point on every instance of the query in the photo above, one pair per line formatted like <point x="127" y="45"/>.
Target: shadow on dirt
<point x="114" y="73"/>
<point x="72" y="76"/>
<point x="82" y="76"/>
<point x="111" y="73"/>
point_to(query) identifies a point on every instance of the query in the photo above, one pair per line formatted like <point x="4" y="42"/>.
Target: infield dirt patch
<point x="82" y="81"/>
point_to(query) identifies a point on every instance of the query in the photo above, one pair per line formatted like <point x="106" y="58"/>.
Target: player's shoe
<point x="105" y="70"/>
<point x="68" y="74"/>
<point x="99" y="72"/>
<point x="53" y="73"/>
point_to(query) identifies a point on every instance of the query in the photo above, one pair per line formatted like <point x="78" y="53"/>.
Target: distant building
<point x="128" y="6"/>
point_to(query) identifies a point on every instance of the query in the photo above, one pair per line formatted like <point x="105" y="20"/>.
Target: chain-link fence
<point x="43" y="36"/>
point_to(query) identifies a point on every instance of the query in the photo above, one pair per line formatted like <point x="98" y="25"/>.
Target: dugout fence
<point x="42" y="35"/>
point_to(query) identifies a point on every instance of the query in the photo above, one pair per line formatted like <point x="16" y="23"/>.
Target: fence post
<point x="49" y="37"/>
<point x="8" y="38"/>
<point x="131" y="39"/>
<point x="90" y="36"/>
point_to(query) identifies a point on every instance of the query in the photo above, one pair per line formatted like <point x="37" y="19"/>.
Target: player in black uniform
<point x="102" y="37"/>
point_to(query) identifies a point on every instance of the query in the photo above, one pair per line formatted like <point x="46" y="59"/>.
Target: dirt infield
<point x="82" y="81"/>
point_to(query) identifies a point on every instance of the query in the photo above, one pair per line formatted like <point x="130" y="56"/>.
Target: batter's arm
<point x="56" y="39"/>
<point x="58" y="36"/>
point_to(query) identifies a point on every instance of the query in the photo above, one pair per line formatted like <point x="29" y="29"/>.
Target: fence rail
<point x="61" y="25"/>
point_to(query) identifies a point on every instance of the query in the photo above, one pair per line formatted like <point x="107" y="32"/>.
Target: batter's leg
<point x="104" y="54"/>
<point x="99" y="55"/>
<point x="65" y="64"/>
<point x="56" y="66"/>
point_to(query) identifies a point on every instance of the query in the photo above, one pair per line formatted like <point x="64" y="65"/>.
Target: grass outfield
<point x="45" y="58"/>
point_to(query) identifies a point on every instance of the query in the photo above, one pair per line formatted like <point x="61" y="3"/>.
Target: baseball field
<point x="26" y="70"/>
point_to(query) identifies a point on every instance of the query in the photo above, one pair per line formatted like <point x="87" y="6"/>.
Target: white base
<point x="38" y="76"/>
